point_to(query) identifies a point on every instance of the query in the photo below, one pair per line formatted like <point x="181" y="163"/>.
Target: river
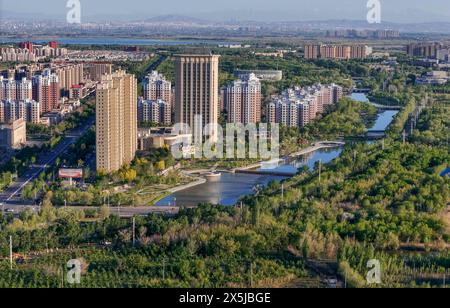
<point x="229" y="188"/>
<point x="111" y="41"/>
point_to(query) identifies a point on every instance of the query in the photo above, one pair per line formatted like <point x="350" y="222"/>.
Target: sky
<point x="401" y="11"/>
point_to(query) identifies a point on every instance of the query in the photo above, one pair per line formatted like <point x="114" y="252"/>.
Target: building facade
<point x="197" y="93"/>
<point x="155" y="111"/>
<point x="13" y="135"/>
<point x="27" y="110"/>
<point x="11" y="89"/>
<point x="298" y="107"/>
<point x="338" y="52"/>
<point x="242" y="100"/>
<point x="97" y="69"/>
<point x="46" y="91"/>
<point x="116" y="125"/>
<point x="155" y="87"/>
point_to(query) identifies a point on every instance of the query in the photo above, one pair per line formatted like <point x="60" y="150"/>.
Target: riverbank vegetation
<point x="373" y="202"/>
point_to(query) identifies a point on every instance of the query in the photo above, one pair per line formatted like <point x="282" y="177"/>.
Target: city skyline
<point x="401" y="11"/>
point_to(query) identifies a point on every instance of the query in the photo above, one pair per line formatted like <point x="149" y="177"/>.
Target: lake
<point x="111" y="41"/>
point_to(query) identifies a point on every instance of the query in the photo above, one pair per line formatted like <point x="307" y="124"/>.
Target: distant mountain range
<point x="238" y="19"/>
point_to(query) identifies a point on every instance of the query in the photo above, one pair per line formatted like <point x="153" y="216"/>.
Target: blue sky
<point x="393" y="10"/>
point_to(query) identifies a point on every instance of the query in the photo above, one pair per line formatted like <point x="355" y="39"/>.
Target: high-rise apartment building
<point x="155" y="87"/>
<point x="154" y="111"/>
<point x="24" y="90"/>
<point x="26" y="45"/>
<point x="312" y="51"/>
<point x="69" y="75"/>
<point x="27" y="110"/>
<point x="298" y="107"/>
<point x="46" y="91"/>
<point x="98" y="69"/>
<point x="242" y="100"/>
<point x="427" y="50"/>
<point x="197" y="93"/>
<point x="11" y="89"/>
<point x="116" y="126"/>
<point x="339" y="52"/>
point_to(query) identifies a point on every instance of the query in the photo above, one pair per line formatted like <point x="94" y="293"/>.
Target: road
<point x="124" y="212"/>
<point x="11" y="196"/>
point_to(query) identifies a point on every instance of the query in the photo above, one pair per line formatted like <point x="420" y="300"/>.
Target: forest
<point x="385" y="201"/>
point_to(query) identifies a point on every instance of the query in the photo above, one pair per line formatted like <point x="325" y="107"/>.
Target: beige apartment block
<point x="116" y="126"/>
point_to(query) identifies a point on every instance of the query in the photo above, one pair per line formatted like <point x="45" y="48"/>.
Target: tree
<point x="161" y="165"/>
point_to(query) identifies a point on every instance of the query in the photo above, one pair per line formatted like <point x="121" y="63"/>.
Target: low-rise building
<point x="433" y="78"/>
<point x="13" y="135"/>
<point x="263" y="75"/>
<point x="160" y="137"/>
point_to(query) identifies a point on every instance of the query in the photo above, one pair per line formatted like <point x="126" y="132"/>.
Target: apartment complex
<point x="11" y="110"/>
<point x="374" y="34"/>
<point x="116" y="125"/>
<point x="298" y="107"/>
<point x="97" y="69"/>
<point x="11" y="89"/>
<point x="339" y="52"/>
<point x="426" y="50"/>
<point x="13" y="135"/>
<point x="197" y="92"/>
<point x="69" y="75"/>
<point x="156" y="87"/>
<point x="242" y="100"/>
<point x="46" y="90"/>
<point x="154" y="111"/>
<point x="28" y="52"/>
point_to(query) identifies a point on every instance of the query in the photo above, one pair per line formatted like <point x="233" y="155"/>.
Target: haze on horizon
<point x="399" y="11"/>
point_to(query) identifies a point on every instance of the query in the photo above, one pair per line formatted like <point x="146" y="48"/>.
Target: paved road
<point x="11" y="196"/>
<point x="124" y="212"/>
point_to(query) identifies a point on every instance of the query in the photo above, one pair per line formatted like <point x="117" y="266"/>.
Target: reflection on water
<point x="446" y="172"/>
<point x="309" y="160"/>
<point x="229" y="188"/>
<point x="359" y="97"/>
<point x="226" y="190"/>
<point x="384" y="118"/>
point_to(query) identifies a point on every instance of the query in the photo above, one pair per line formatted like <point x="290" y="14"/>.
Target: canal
<point x="229" y="188"/>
